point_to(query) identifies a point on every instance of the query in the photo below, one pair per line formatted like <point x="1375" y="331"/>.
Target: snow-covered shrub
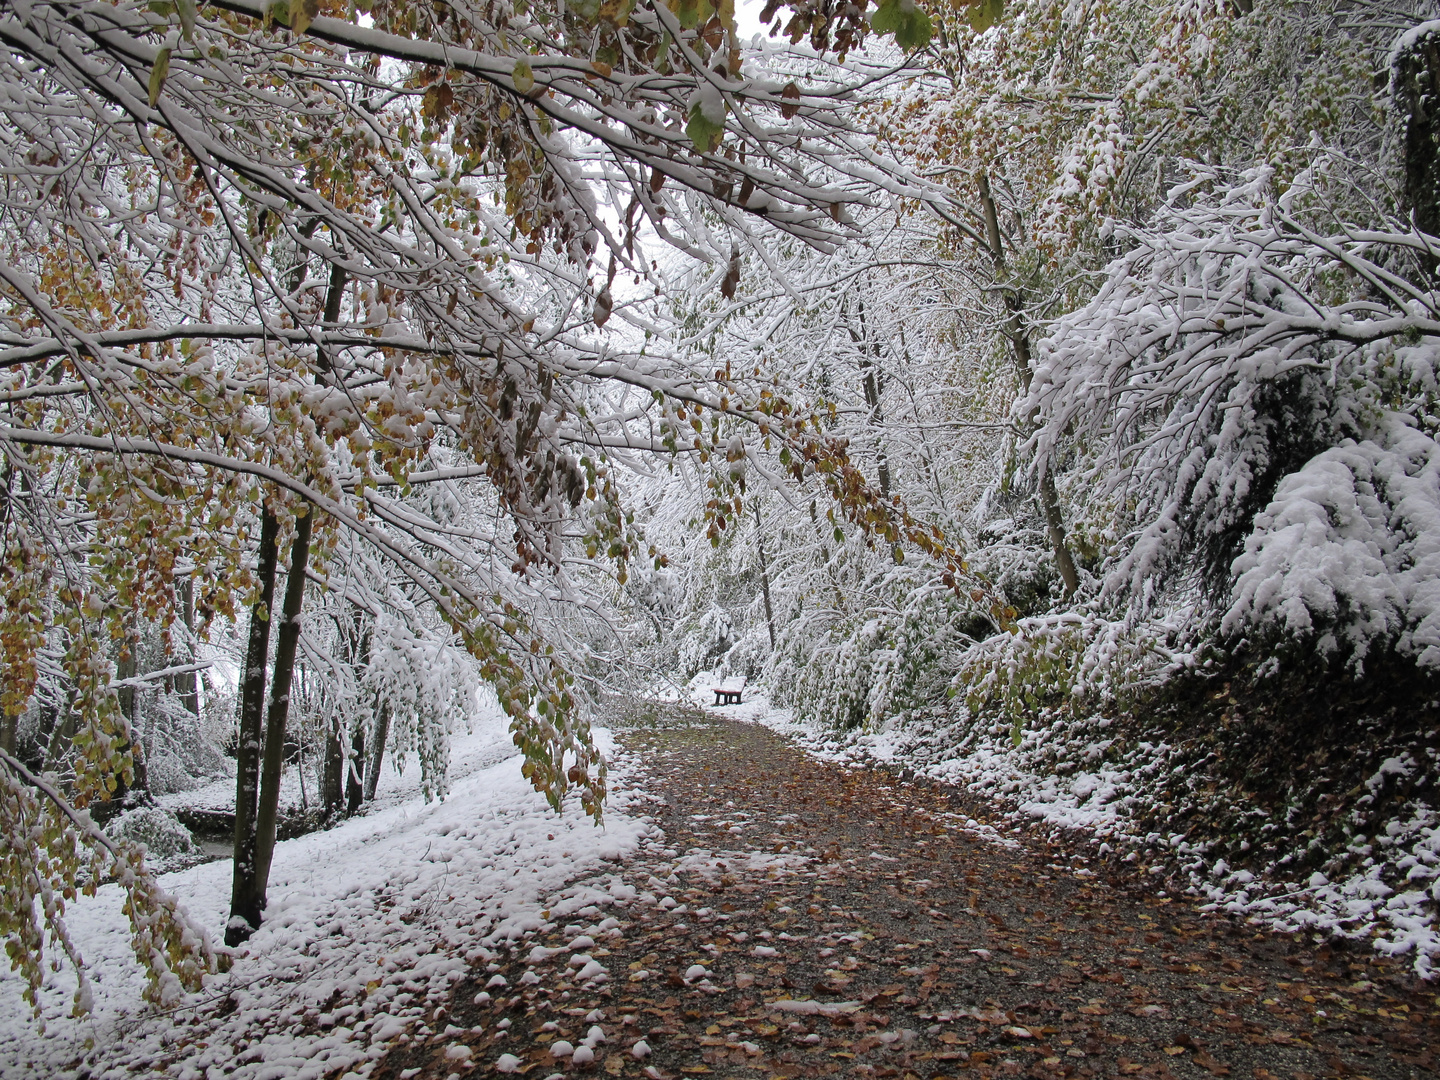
<point x="1076" y="658"/>
<point x="168" y="844"/>
<point x="1263" y="394"/>
<point x="705" y="640"/>
<point x="429" y="685"/>
<point x="1017" y="561"/>
<point x="854" y="670"/>
<point x="183" y="750"/>
<point x="750" y="656"/>
<point x="1347" y="554"/>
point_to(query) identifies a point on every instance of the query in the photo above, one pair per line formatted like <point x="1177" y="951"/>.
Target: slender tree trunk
<point x="354" y="773"/>
<point x="1416" y="80"/>
<point x="1020" y="342"/>
<point x="764" y="578"/>
<point x="274" y="763"/>
<point x="377" y="749"/>
<point x="333" y="785"/>
<point x="871" y="385"/>
<point x="244" y="900"/>
<point x="186" y="684"/>
<point x="56" y="738"/>
<point x="126" y="668"/>
<point x="1055" y="525"/>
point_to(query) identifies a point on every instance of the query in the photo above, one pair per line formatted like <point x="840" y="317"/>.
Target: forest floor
<point x="805" y="918"/>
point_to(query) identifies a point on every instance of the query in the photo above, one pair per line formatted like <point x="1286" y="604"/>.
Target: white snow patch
<point x="385" y="912"/>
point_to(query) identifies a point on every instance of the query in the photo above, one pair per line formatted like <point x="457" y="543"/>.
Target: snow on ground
<point x="369" y="925"/>
<point x="485" y="744"/>
<point x="1101" y="799"/>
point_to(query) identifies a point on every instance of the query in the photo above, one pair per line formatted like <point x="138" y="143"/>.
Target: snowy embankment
<point x="369" y="926"/>
<point x="1077" y="775"/>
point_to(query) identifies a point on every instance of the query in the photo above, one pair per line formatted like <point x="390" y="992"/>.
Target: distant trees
<point x="1034" y="376"/>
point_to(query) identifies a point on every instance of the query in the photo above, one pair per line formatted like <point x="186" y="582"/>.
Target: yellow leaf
<point x="523" y="77"/>
<point x="302" y="14"/>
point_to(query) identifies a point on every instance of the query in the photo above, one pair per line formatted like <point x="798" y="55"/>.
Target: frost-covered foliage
<point x="1264" y="395"/>
<point x="168" y="844"/>
<point x="853" y="669"/>
<point x="430" y="688"/>
<point x="1347" y="553"/>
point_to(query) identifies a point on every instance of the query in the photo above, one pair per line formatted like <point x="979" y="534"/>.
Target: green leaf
<point x="908" y="23"/>
<point x="986" y="13"/>
<point x="157" y="75"/>
<point x="703" y="131"/>
<point x="691" y="13"/>
<point x="523" y="76"/>
<point x="302" y="14"/>
<point x="186" y="8"/>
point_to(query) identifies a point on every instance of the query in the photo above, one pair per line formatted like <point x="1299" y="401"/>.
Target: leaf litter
<point x="807" y="918"/>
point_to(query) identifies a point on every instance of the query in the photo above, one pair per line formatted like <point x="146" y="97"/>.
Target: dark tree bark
<point x="764" y="577"/>
<point x="354" y="774"/>
<point x="186" y="683"/>
<point x="1019" y="336"/>
<point x="274" y="762"/>
<point x="129" y="696"/>
<point x="244" y="899"/>
<point x="1417" y="97"/>
<point x="332" y="781"/>
<point x="377" y="750"/>
<point x="870" y="383"/>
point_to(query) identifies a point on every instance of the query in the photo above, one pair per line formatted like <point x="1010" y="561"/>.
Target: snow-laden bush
<point x="1079" y="657"/>
<point x="168" y="844"/>
<point x="855" y="669"/>
<point x="1347" y="554"/>
<point x="705" y="640"/>
<point x="750" y="655"/>
<point x="429" y="685"/>
<point x="1258" y="383"/>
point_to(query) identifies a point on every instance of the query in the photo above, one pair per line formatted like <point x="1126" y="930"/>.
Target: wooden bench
<point x="729" y="691"/>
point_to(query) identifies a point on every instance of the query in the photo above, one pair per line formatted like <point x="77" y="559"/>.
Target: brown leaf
<point x="791" y="105"/>
<point x="601" y="315"/>
<point x="1209" y="1064"/>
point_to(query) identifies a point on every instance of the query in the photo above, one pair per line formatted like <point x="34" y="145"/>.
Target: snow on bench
<point x="728" y="692"/>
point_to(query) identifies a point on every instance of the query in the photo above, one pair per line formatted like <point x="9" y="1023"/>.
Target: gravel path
<point x="804" y="919"/>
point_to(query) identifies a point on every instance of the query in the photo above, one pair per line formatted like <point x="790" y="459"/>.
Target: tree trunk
<point x="764" y="578"/>
<point x="126" y="668"/>
<point x="332" y="784"/>
<point x="354" y="774"/>
<point x="1416" y="94"/>
<point x="274" y="763"/>
<point x="1020" y="342"/>
<point x="244" y="899"/>
<point x="186" y="684"/>
<point x="57" y="741"/>
<point x="871" y="385"/>
<point x="377" y="750"/>
<point x="1055" y="525"/>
